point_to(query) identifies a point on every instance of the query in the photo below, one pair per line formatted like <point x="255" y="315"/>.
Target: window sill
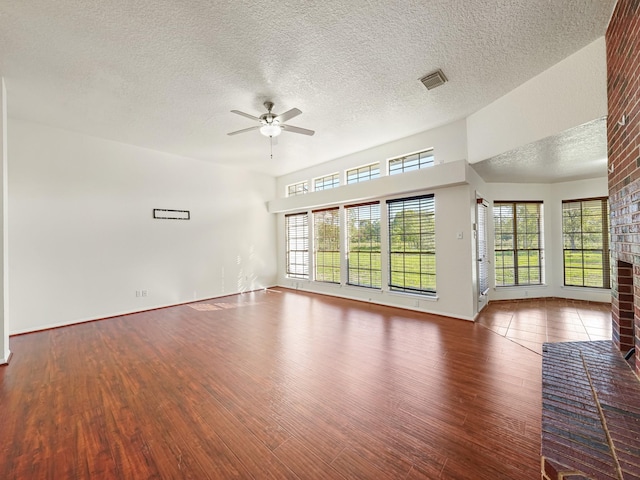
<point x="431" y="297"/>
<point x="383" y="292"/>
<point x="583" y="289"/>
<point x="520" y="287"/>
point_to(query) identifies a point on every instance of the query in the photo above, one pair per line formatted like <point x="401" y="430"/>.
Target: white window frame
<point x="326" y="245"/>
<point x="580" y="237"/>
<point x="297" y="246"/>
<point x="374" y="275"/>
<point x="424" y="257"/>
<point x="366" y="178"/>
<point x="326" y="182"/>
<point x="299" y="188"/>
<point x="404" y="158"/>
<point x="518" y="246"/>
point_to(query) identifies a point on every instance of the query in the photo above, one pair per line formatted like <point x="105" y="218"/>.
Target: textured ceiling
<point x="576" y="154"/>
<point x="164" y="74"/>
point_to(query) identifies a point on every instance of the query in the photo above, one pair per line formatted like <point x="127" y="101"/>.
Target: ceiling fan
<point x="272" y="124"/>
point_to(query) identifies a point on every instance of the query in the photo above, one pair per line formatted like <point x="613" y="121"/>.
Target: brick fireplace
<point x="590" y="425"/>
<point x="623" y="139"/>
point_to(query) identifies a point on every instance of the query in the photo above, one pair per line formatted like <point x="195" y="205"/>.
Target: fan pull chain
<point x="271" y="143"/>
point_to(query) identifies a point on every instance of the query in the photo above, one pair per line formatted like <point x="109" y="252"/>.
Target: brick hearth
<point x="590" y="413"/>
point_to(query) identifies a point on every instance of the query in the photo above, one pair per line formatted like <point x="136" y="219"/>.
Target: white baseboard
<point x="5" y="361"/>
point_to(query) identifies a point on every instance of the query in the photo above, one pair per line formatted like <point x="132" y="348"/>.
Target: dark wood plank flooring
<point x="274" y="384"/>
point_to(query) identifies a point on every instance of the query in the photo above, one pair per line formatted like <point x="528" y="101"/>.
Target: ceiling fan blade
<point x="288" y="115"/>
<point x="303" y="131"/>
<point x="238" y="112"/>
<point x="244" y="130"/>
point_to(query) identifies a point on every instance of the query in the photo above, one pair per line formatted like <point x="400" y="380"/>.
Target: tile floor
<point x="532" y="322"/>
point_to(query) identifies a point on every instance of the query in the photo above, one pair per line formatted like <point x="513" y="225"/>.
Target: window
<point x="413" y="161"/>
<point x="363" y="245"/>
<point x="297" y="245"/>
<point x="412" y="248"/>
<point x="518" y="243"/>
<point x="362" y="174"/>
<point x="325" y="183"/>
<point x="297" y="189"/>
<point x="585" y="230"/>
<point x="327" y="245"/>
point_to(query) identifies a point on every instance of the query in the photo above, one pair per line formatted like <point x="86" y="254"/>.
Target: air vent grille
<point x="434" y="79"/>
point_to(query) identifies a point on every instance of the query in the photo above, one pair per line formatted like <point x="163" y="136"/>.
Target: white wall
<point x="454" y="200"/>
<point x="84" y="240"/>
<point x="449" y="144"/>
<point x="571" y="191"/>
<point x="552" y="195"/>
<point x="453" y="196"/>
<point x="454" y="282"/>
<point x="568" y="94"/>
<point x="455" y="185"/>
<point x="572" y="92"/>
<point x="5" y="353"/>
<point x="441" y="175"/>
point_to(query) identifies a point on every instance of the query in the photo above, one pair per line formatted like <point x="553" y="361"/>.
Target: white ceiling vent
<point x="434" y="79"/>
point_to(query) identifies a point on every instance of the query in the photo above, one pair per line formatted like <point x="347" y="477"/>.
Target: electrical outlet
<point x="144" y="293"/>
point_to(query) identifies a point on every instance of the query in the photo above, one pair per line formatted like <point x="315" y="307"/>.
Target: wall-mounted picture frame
<point x="166" y="214"/>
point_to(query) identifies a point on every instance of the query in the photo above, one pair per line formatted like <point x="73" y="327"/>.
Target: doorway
<point x="482" y="252"/>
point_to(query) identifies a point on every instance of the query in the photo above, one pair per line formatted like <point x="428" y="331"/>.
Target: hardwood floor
<point x="273" y="384"/>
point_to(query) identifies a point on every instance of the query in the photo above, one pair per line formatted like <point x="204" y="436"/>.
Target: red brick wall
<point x="623" y="91"/>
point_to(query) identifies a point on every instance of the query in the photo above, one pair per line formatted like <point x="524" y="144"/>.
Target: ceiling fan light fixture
<point x="271" y="124"/>
<point x="271" y="130"/>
